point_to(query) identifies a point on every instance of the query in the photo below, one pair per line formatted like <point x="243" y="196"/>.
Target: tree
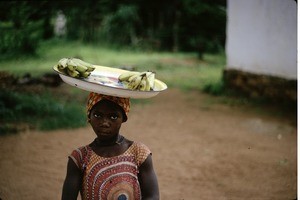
<point x="23" y="25"/>
<point x="171" y="25"/>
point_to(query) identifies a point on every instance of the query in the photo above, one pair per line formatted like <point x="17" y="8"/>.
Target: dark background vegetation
<point x="170" y="25"/>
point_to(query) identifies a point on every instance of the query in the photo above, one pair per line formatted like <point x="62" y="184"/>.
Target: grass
<point x="45" y="111"/>
<point x="182" y="70"/>
<point x="40" y="111"/>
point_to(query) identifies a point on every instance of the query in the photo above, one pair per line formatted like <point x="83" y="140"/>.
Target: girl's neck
<point x="118" y="139"/>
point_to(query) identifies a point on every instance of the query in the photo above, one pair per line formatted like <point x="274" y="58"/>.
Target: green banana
<point x="73" y="73"/>
<point x="82" y="63"/>
<point x="90" y="68"/>
<point x="62" y="64"/>
<point x="75" y="67"/>
<point x="85" y="74"/>
<point x="81" y="68"/>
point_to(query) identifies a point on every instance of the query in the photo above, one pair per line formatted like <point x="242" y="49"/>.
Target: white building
<point x="262" y="40"/>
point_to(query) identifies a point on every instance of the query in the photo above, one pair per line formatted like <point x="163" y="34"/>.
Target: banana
<point x="81" y="68"/>
<point x="90" y="68"/>
<point x="75" y="67"/>
<point x="71" y="65"/>
<point x="73" y="73"/>
<point x="133" y="77"/>
<point x="151" y="79"/>
<point x="136" y="82"/>
<point x="148" y="87"/>
<point x="125" y="76"/>
<point x="143" y="81"/>
<point x="143" y="84"/>
<point x="62" y="63"/>
<point x="85" y="74"/>
<point x="82" y="63"/>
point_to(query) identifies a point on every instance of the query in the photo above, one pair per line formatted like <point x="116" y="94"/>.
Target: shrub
<point x="39" y="111"/>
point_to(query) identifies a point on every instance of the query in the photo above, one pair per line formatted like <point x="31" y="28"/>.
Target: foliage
<point x="170" y="25"/>
<point x="42" y="111"/>
<point x="123" y="19"/>
<point x="208" y="34"/>
<point x="22" y="26"/>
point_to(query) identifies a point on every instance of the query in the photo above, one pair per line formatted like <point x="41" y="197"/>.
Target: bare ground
<point x="202" y="149"/>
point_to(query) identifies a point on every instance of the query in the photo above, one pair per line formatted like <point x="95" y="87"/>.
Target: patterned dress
<point x="112" y="178"/>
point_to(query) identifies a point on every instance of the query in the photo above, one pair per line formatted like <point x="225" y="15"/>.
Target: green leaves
<point x="39" y="111"/>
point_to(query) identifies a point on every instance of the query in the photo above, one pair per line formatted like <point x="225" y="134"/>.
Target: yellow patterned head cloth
<point x="95" y="98"/>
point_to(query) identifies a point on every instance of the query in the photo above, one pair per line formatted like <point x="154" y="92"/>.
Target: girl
<point x="111" y="167"/>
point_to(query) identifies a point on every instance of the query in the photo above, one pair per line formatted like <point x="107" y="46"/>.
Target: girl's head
<point x="106" y="114"/>
<point x="122" y="103"/>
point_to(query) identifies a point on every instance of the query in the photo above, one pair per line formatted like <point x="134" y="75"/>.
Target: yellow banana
<point x="143" y="84"/>
<point x="126" y="75"/>
<point x="133" y="80"/>
<point x="134" y="84"/>
<point x="148" y="88"/>
<point x="151" y="79"/>
<point x="133" y="77"/>
<point x="137" y="82"/>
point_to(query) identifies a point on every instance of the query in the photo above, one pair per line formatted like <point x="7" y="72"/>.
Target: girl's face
<point x="106" y="119"/>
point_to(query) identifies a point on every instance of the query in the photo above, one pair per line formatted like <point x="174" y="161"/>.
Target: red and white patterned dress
<point x="110" y="178"/>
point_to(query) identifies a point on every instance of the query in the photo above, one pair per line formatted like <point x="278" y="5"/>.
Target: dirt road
<point x="201" y="150"/>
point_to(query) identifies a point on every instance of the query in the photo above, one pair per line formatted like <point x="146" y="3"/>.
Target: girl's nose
<point x="105" y="123"/>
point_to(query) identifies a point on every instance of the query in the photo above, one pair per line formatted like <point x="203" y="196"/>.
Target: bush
<point x="123" y="20"/>
<point x="39" y="111"/>
<point x="21" y="32"/>
<point x="216" y="88"/>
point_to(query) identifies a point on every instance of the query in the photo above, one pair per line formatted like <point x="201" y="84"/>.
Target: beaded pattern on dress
<point x="111" y="178"/>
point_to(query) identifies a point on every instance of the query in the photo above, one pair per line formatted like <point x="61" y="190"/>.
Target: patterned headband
<point x="95" y="98"/>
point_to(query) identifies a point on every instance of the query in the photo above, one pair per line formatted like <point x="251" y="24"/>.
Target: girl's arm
<point x="72" y="182"/>
<point x="148" y="180"/>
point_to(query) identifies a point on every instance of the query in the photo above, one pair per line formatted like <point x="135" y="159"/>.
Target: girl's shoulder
<point x="80" y="151"/>
<point x="141" y="146"/>
<point x="141" y="152"/>
<point x="79" y="154"/>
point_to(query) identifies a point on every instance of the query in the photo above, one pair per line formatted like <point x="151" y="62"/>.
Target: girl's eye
<point x="114" y="117"/>
<point x="96" y="115"/>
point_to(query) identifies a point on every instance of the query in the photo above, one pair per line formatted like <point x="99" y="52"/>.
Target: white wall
<point x="262" y="37"/>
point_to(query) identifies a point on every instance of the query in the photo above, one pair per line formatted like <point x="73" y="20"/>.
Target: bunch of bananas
<point x="75" y="67"/>
<point x="143" y="81"/>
